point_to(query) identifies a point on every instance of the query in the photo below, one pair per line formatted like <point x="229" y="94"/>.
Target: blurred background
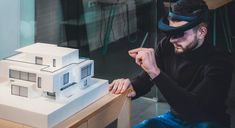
<point x="104" y="30"/>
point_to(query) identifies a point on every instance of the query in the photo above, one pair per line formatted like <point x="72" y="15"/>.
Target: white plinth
<point x="43" y="112"/>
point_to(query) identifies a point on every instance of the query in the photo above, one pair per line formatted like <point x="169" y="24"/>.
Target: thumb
<point x="133" y="55"/>
<point x="131" y="94"/>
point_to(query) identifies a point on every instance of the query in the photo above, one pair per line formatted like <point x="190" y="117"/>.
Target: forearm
<point x="177" y="97"/>
<point x="141" y="84"/>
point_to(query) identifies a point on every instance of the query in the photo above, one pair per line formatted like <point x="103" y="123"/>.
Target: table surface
<point x="214" y="4"/>
<point x="78" y="118"/>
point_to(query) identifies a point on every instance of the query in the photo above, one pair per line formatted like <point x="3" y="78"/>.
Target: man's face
<point x="186" y="41"/>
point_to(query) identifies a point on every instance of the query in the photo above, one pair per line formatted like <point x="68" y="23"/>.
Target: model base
<point x="44" y="112"/>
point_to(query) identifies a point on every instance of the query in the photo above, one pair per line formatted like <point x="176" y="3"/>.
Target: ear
<point x="202" y="32"/>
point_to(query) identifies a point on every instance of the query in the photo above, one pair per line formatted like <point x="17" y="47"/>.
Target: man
<point x="191" y="75"/>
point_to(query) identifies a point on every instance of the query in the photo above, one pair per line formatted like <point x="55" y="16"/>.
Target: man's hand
<point x="119" y="86"/>
<point x="145" y="58"/>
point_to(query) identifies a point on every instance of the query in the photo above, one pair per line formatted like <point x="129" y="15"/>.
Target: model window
<point x="24" y="91"/>
<point x="24" y="76"/>
<point x="19" y="91"/>
<point x="32" y="77"/>
<point x="54" y="62"/>
<point x="66" y="78"/>
<point x="15" y="90"/>
<point x="39" y="82"/>
<point x="14" y="74"/>
<point x="85" y="83"/>
<point x="51" y="94"/>
<point x="86" y="71"/>
<point x="38" y="60"/>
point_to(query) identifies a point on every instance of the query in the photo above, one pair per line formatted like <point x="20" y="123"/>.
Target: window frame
<point x="38" y="60"/>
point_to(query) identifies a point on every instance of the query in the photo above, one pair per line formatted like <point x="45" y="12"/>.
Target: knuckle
<point x="119" y="89"/>
<point x="151" y="49"/>
<point x="115" y="86"/>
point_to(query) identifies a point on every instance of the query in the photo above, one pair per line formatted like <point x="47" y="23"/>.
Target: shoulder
<point x="219" y="56"/>
<point x="219" y="60"/>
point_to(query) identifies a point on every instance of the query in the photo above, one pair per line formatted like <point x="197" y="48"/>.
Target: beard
<point x="179" y="49"/>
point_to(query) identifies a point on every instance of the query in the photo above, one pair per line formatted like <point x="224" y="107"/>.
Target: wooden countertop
<point x="214" y="4"/>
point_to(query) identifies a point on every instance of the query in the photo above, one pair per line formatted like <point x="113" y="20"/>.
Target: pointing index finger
<point x="134" y="52"/>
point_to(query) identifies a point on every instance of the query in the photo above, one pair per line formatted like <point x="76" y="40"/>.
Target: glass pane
<point x="24" y="76"/>
<point x="39" y="82"/>
<point x="9" y="27"/>
<point x="27" y="22"/>
<point x="38" y="60"/>
<point x="32" y="77"/>
<point x="89" y="70"/>
<point x="14" y="74"/>
<point x="54" y="62"/>
<point x="84" y="72"/>
<point x="17" y="25"/>
<point x="15" y="90"/>
<point x="66" y="78"/>
<point x="62" y="22"/>
<point x="24" y="91"/>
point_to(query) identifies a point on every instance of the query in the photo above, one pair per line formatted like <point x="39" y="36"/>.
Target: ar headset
<point x="193" y="20"/>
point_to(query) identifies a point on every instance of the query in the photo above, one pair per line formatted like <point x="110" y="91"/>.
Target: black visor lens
<point x="177" y="32"/>
<point x="177" y="35"/>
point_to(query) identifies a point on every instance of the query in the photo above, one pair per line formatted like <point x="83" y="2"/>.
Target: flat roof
<point x="46" y="49"/>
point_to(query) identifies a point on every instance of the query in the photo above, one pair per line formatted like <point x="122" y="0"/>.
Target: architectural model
<point x="47" y="84"/>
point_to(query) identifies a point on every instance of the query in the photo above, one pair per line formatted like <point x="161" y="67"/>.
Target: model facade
<point x="47" y="70"/>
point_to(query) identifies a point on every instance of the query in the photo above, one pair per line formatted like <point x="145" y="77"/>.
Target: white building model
<point x="47" y="84"/>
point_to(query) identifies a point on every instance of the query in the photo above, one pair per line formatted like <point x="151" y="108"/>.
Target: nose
<point x="173" y="39"/>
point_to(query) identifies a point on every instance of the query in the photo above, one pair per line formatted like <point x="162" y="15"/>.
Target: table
<point x="109" y="109"/>
<point x="214" y="4"/>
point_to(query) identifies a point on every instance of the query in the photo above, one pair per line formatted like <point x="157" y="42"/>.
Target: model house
<point x="47" y="84"/>
<point x="46" y="70"/>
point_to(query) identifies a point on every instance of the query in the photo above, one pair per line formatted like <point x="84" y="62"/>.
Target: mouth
<point x="178" y="49"/>
<point x="177" y="46"/>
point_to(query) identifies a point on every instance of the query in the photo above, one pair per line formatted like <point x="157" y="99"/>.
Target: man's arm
<point x="211" y="91"/>
<point x="142" y="84"/>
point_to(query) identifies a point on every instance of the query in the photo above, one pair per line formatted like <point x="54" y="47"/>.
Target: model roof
<point x="46" y="49"/>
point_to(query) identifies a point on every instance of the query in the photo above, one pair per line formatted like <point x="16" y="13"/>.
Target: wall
<point x="9" y="24"/>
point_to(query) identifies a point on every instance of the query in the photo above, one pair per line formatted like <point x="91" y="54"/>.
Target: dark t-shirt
<point x="195" y="84"/>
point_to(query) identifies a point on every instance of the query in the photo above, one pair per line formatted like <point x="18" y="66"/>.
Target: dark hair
<point x="190" y="8"/>
<point x="193" y="8"/>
